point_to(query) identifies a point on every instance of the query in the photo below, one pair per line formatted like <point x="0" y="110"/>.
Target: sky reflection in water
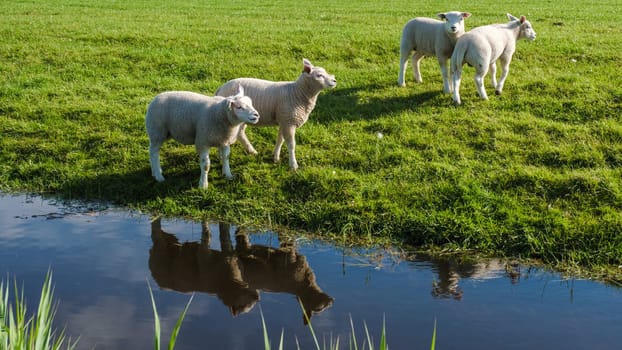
<point x="102" y="259"/>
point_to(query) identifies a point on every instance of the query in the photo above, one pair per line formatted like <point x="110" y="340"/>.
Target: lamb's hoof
<point x="159" y="178"/>
<point x="497" y="92"/>
<point x="230" y="178"/>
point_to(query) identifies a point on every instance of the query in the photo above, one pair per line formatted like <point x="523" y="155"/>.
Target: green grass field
<point x="534" y="173"/>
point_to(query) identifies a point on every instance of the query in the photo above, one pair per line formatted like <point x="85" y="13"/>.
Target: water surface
<point x="104" y="258"/>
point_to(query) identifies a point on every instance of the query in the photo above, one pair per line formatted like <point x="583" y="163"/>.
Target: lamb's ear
<point x="511" y="18"/>
<point x="523" y="19"/>
<point x="466" y="14"/>
<point x="240" y="92"/>
<point x="230" y="102"/>
<point x="307" y="66"/>
<point x="441" y="16"/>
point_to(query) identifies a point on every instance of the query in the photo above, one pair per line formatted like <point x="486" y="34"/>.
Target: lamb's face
<point x="526" y="30"/>
<point x="327" y="81"/>
<point x="454" y="21"/>
<point x="243" y="109"/>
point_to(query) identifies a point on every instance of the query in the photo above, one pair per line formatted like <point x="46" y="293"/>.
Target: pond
<point x="103" y="260"/>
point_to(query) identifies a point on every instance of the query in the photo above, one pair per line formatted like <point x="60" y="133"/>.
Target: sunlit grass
<point x="18" y="331"/>
<point x="533" y="173"/>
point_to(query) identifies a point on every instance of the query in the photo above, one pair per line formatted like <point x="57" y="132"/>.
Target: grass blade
<point x="371" y="345"/>
<point x="18" y="326"/>
<point x="156" y="320"/>
<point x="4" y="307"/>
<point x="266" y="340"/>
<point x="171" y="343"/>
<point x="45" y="313"/>
<point x="433" y="345"/>
<point x="317" y="344"/>
<point x="353" y="334"/>
<point x="383" y="336"/>
<point x="281" y="341"/>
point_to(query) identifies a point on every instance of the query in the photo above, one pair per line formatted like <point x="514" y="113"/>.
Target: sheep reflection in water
<point x="451" y="271"/>
<point x="235" y="275"/>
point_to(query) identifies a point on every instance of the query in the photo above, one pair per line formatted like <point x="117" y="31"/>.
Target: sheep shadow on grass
<point x="352" y="104"/>
<point x="134" y="187"/>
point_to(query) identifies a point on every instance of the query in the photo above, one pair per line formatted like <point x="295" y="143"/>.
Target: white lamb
<point x="283" y="103"/>
<point x="204" y="121"/>
<point x="430" y="37"/>
<point x="482" y="46"/>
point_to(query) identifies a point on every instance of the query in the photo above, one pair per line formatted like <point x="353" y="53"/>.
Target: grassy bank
<point x="534" y="173"/>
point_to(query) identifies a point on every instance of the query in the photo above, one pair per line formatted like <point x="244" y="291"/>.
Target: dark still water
<point x="103" y="259"/>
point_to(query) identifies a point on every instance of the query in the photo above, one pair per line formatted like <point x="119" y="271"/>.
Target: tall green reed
<point x="175" y="333"/>
<point x="333" y="343"/>
<point x="20" y="332"/>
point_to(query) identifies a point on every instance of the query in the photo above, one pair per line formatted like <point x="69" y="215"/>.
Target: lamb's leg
<point x="505" y="70"/>
<point x="456" y="75"/>
<point x="416" y="60"/>
<point x="480" y="74"/>
<point x="403" y="64"/>
<point x="244" y="140"/>
<point x="205" y="164"/>
<point x="286" y="133"/>
<point x="154" y="159"/>
<point x="223" y="153"/>
<point x="405" y="51"/>
<point x="442" y="61"/>
<point x="276" y="154"/>
<point x="289" y="134"/>
<point x="493" y="74"/>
